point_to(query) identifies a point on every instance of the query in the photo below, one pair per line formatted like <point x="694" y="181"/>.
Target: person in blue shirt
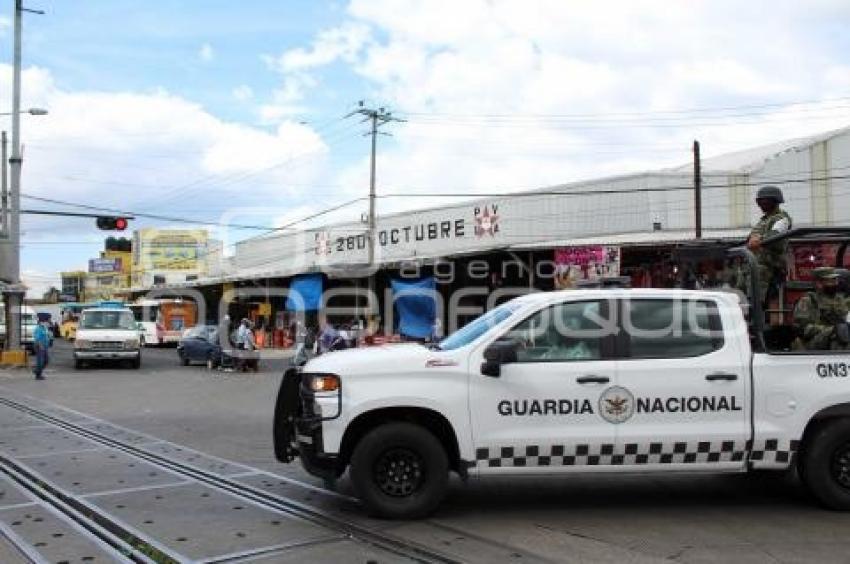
<point x="41" y="345"/>
<point x="327" y="338"/>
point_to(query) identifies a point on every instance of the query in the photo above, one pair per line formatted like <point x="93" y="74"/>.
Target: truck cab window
<point x="563" y="332"/>
<point x="671" y="328"/>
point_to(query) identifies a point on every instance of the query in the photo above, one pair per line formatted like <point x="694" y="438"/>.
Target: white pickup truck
<point x="605" y="380"/>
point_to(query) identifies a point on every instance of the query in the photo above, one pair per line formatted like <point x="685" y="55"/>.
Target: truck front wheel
<point x="826" y="465"/>
<point x="400" y="471"/>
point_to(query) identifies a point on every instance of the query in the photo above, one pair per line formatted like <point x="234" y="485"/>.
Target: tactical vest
<point x="773" y="256"/>
<point x="831" y="310"/>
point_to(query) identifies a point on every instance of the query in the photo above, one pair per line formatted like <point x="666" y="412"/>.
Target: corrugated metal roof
<point x="751" y="160"/>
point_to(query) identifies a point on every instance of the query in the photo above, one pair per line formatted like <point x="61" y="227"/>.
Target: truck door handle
<point x="591" y="379"/>
<point x="721" y="376"/>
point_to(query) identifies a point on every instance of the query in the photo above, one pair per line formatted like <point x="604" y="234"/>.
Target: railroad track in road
<point x="122" y="546"/>
<point x="135" y="547"/>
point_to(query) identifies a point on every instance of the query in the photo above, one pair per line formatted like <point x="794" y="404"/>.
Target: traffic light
<point x="111" y="223"/>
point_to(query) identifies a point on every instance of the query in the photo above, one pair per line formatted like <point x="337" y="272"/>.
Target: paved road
<point x="640" y="518"/>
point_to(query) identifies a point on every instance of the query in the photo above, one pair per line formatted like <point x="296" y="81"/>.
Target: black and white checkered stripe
<point x="773" y="453"/>
<point x="768" y="452"/>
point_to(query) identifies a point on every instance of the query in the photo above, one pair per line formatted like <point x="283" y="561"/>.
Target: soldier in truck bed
<point x="771" y="258"/>
<point x="820" y="317"/>
<point x="844" y="284"/>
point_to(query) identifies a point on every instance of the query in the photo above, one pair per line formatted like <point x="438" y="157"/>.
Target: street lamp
<point x="11" y="250"/>
<point x="31" y="111"/>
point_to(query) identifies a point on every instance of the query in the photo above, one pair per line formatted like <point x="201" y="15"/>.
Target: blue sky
<point x="231" y="111"/>
<point x="120" y="45"/>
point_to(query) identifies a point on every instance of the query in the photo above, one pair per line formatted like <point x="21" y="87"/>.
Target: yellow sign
<point x="264" y="309"/>
<point x="171" y="249"/>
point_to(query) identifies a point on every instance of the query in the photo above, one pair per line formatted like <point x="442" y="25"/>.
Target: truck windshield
<point x="107" y="320"/>
<point x="478" y="327"/>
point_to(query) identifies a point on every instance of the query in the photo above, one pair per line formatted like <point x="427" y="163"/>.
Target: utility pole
<point x="376" y="118"/>
<point x="697" y="192"/>
<point x="4" y="187"/>
<point x="15" y="293"/>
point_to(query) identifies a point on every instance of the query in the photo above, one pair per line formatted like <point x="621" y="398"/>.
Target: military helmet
<point x="825" y="273"/>
<point x="770" y="193"/>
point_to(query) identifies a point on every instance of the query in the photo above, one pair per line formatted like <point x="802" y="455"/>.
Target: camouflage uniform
<point x="772" y="259"/>
<point x="818" y="316"/>
<point x="844" y="284"/>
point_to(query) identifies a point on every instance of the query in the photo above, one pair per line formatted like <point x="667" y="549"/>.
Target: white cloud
<point x="502" y="87"/>
<point x="206" y="53"/>
<point x="243" y="93"/>
<point x="38" y="282"/>
<point x="287" y="100"/>
<point x="147" y="152"/>
<point x="344" y="42"/>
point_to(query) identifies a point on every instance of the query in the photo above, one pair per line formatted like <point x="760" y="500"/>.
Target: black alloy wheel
<point x="840" y="467"/>
<point x="399" y="472"/>
<point x="825" y="463"/>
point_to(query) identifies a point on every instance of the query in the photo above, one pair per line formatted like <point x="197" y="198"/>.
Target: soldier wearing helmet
<point x="820" y="317"/>
<point x="771" y="258"/>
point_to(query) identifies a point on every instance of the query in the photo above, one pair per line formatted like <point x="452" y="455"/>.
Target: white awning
<point x="639" y="239"/>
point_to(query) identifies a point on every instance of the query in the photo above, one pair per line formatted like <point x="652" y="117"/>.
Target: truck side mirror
<point x="498" y="353"/>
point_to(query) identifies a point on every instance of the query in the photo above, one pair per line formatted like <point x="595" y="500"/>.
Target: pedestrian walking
<point x="41" y="346"/>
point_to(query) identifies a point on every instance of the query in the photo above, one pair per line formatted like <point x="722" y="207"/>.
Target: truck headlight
<point x="82" y="344"/>
<point x="131" y="344"/>
<point x="324" y="383"/>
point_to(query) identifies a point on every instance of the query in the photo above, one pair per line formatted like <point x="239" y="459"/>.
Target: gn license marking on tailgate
<point x="833" y="370"/>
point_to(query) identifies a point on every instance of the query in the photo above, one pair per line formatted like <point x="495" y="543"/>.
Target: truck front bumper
<point x="106" y="355"/>
<point x="313" y="458"/>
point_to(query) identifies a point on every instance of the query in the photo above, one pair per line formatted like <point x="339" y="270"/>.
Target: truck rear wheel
<point x="826" y="465"/>
<point x="400" y="471"/>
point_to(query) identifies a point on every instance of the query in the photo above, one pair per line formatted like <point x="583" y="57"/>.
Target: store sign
<point x="100" y="266"/>
<point x="173" y="249"/>
<point x="483" y="221"/>
<point x="589" y="262"/>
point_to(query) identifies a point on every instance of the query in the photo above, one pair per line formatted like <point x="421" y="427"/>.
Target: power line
<point x="146" y="215"/>
<point x="533" y="192"/>
<point x="601" y="124"/>
<point x="198" y="222"/>
<point x="646" y="112"/>
<point x="240" y="176"/>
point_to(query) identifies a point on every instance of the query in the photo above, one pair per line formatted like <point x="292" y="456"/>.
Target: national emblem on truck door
<point x="616" y="404"/>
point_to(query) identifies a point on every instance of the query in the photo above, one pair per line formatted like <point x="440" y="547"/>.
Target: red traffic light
<point x="110" y="223"/>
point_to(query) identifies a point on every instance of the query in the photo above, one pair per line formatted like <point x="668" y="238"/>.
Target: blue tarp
<point x="305" y="293"/>
<point x="416" y="306"/>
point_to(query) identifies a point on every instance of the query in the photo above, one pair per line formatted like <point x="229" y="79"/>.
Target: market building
<point x="628" y="225"/>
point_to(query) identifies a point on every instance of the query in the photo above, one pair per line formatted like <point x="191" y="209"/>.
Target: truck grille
<point x="107" y="345"/>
